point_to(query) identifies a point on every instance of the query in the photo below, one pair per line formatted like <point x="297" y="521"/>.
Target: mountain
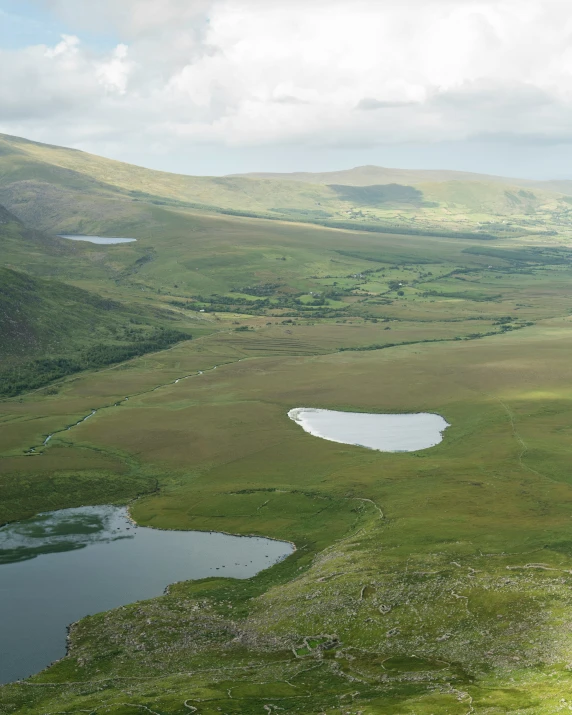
<point x="50" y="328"/>
<point x="370" y="175"/>
<point x="65" y="190"/>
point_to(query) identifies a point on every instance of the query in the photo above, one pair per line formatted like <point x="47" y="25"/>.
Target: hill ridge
<point x="58" y="190"/>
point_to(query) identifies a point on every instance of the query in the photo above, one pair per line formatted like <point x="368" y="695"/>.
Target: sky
<point x="229" y="86"/>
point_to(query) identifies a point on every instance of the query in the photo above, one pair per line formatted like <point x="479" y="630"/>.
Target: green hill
<point x="50" y="328"/>
<point x="27" y="248"/>
<point x="60" y="189"/>
<point x="39" y="316"/>
<point x="370" y="175"/>
<point x="64" y="190"/>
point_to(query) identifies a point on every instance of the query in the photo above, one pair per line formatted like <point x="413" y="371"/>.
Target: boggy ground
<point x="430" y="582"/>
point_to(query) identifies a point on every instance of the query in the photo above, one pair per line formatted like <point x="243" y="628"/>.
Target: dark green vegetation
<point x="35" y="373"/>
<point x="435" y="582"/>
<point x="52" y="329"/>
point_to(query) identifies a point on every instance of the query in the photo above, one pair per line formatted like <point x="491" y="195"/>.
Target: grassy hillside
<point x="371" y="175"/>
<point x="35" y="175"/>
<point x="28" y="248"/>
<point x="51" y="329"/>
<point x="40" y="316"/>
<point x="64" y="190"/>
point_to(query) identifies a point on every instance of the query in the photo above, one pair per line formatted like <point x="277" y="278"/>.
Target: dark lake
<point x="61" y="566"/>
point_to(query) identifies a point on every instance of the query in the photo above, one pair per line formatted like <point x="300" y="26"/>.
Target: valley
<point x="428" y="581"/>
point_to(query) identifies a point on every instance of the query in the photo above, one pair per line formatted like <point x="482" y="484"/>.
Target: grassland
<point x="423" y="582"/>
<point x="434" y="582"/>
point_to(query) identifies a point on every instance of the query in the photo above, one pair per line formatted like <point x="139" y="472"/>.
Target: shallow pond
<point x="61" y="566"/>
<point x="385" y="433"/>
<point x="99" y="239"/>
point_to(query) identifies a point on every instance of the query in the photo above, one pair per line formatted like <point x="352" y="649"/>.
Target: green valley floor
<point x="431" y="582"/>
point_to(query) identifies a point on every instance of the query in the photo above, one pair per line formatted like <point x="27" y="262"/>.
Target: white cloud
<point x="67" y="47"/>
<point x="113" y="73"/>
<point x="248" y="72"/>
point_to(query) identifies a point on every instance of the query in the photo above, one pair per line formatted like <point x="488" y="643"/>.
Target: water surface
<point x="99" y="239"/>
<point x="61" y="566"/>
<point x="385" y="433"/>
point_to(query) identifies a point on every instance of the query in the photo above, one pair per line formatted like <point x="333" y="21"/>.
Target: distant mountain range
<point x="370" y="175"/>
<point x="60" y="190"/>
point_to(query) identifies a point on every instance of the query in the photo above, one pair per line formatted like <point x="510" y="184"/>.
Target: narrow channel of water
<point x="34" y="450"/>
<point x="385" y="433"/>
<point x="98" y="239"/>
<point x="61" y="566"/>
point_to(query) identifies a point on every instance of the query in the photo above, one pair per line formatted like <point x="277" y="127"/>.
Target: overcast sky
<point x="221" y="86"/>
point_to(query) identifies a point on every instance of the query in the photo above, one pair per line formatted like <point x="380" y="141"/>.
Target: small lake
<point x="99" y="239"/>
<point x="385" y="433"/>
<point x="61" y="566"/>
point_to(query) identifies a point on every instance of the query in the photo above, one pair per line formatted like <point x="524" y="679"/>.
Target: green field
<point x="435" y="582"/>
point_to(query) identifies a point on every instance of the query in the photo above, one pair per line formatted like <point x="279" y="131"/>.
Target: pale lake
<point x="99" y="239"/>
<point x="382" y="432"/>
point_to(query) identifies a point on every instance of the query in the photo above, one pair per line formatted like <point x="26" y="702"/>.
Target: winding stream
<point x="34" y="450"/>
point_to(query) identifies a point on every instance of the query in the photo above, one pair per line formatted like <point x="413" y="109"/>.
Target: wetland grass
<point x="394" y="550"/>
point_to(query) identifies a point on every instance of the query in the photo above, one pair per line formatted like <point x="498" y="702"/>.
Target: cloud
<point x="113" y="73"/>
<point x="68" y="46"/>
<point x="370" y="103"/>
<point x="248" y="72"/>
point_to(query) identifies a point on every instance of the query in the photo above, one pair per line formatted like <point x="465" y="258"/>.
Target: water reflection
<point x="61" y="566"/>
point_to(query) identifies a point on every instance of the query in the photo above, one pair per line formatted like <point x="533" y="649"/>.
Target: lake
<point x="61" y="566"/>
<point x="385" y="433"/>
<point x="99" y="239"/>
